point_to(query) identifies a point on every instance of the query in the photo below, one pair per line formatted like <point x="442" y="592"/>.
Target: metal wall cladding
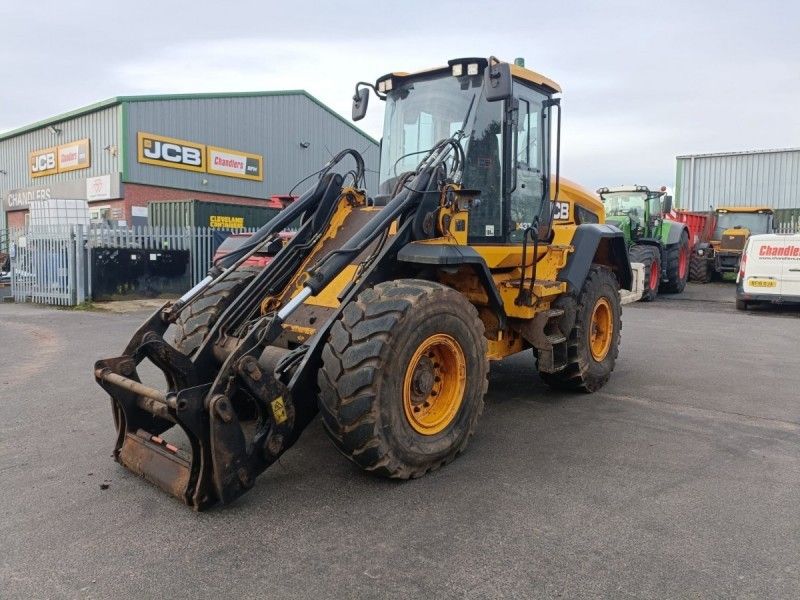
<point x="197" y="213"/>
<point x="274" y="126"/>
<point x="102" y="129"/>
<point x="759" y="178"/>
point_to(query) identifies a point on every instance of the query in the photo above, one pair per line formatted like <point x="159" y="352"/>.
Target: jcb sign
<point x="43" y="162"/>
<point x="60" y="159"/>
<point x="170" y="152"/>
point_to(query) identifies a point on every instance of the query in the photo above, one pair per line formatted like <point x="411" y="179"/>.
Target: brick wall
<point x="16" y="218"/>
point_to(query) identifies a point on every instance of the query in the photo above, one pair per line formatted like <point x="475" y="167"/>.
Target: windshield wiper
<point x="462" y="132"/>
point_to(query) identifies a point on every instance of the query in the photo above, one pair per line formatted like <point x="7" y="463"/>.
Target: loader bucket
<point x="236" y="425"/>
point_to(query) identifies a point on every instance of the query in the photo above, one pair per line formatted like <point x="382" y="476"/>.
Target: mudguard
<point x="675" y="231"/>
<point x="601" y="244"/>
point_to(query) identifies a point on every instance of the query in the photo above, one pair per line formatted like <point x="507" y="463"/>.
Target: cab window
<point x="483" y="171"/>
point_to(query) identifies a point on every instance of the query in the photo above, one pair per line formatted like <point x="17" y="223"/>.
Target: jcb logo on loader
<point x="561" y="211"/>
<point x="170" y="152"/>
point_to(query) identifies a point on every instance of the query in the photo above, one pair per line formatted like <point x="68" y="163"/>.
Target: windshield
<point x="624" y="204"/>
<point x="420" y="113"/>
<point x="754" y="222"/>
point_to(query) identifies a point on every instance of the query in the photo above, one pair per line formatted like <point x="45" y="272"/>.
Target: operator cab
<point x="502" y="116"/>
<point x="637" y="203"/>
<point x="755" y="220"/>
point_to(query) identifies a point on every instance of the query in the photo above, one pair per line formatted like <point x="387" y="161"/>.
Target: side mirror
<point x="360" y="101"/>
<point x="666" y="206"/>
<point x="497" y="81"/>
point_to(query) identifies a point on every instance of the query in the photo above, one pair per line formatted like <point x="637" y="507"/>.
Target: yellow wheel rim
<point x="601" y="329"/>
<point x="434" y="384"/>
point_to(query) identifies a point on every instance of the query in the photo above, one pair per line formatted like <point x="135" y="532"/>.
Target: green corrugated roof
<point x="162" y="97"/>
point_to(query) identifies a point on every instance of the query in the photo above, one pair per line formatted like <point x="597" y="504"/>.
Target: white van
<point x="769" y="270"/>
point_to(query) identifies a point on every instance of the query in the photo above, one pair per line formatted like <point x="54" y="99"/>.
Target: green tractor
<point x="660" y="244"/>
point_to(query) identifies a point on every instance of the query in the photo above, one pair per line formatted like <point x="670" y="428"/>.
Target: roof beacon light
<point x="458" y="70"/>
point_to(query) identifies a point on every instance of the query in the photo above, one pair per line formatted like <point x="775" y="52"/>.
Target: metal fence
<point x="201" y="242"/>
<point x="204" y="242"/>
<point x="53" y="265"/>
<point x="792" y="226"/>
<point x="46" y="266"/>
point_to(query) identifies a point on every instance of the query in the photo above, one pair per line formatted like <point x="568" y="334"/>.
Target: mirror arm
<point x="370" y="86"/>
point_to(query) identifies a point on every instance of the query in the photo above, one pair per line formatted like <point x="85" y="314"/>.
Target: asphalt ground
<point x="681" y="478"/>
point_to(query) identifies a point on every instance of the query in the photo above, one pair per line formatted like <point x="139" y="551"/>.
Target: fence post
<point x="80" y="265"/>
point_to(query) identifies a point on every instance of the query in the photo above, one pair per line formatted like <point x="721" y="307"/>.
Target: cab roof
<point x="516" y="71"/>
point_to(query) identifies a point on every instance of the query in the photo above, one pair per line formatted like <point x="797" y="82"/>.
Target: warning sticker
<point x="279" y="410"/>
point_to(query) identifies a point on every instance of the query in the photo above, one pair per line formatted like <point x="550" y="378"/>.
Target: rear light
<point x="742" y="266"/>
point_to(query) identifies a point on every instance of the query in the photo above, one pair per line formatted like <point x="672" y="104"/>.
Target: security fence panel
<point x="69" y="264"/>
<point x="43" y="266"/>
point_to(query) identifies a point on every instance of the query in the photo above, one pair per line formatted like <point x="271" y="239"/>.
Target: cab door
<point x="527" y="195"/>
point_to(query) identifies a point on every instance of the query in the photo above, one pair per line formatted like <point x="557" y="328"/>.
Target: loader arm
<point x="242" y="414"/>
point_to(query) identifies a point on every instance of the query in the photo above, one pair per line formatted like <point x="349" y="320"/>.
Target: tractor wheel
<point x="403" y="377"/>
<point x="650" y="257"/>
<point x="677" y="256"/>
<point x="699" y="271"/>
<point x="593" y="343"/>
<point x="194" y="323"/>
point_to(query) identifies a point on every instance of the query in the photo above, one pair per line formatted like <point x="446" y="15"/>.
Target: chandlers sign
<point x="59" y="159"/>
<point x="190" y="156"/>
<point x="231" y="163"/>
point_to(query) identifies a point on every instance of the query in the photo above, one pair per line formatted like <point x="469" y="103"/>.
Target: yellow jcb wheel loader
<point x="383" y="313"/>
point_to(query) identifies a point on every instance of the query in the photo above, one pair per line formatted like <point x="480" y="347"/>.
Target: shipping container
<point x="217" y="215"/>
<point x="755" y="178"/>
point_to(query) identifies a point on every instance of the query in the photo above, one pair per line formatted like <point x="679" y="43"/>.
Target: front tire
<point x="677" y="256"/>
<point x="593" y="343"/>
<point x="197" y="320"/>
<point x="403" y="377"/>
<point x="650" y="257"/>
<point x="699" y="271"/>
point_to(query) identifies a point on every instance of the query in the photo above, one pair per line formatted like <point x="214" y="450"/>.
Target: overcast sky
<point x="643" y="81"/>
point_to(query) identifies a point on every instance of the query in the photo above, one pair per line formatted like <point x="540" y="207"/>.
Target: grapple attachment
<point x="235" y="426"/>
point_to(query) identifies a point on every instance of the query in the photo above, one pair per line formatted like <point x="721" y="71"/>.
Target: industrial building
<point x="754" y="178"/>
<point x="124" y="153"/>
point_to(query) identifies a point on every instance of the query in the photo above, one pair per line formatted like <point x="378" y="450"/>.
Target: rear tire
<point x="195" y="323"/>
<point x="677" y="256"/>
<point x="650" y="257"/>
<point x="741" y="304"/>
<point x="699" y="271"/>
<point x="372" y="378"/>
<point x="587" y="369"/>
